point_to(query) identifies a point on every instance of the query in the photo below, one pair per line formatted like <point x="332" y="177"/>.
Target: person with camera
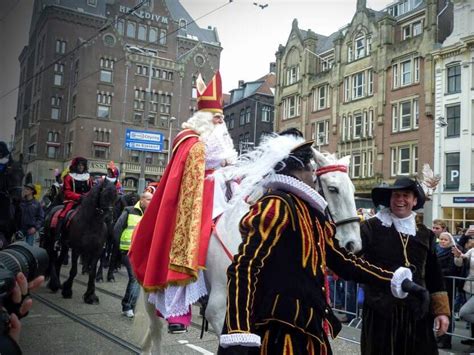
<point x="32" y="214"/>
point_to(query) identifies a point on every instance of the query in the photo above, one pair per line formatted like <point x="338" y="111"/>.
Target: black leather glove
<point x="421" y="294"/>
<point x="234" y="350"/>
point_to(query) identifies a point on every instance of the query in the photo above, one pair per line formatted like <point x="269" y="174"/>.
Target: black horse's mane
<point x="102" y="195"/>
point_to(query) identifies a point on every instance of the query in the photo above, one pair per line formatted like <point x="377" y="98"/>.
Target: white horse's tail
<point x="147" y="325"/>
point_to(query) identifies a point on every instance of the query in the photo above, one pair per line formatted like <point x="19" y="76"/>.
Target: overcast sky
<point x="250" y="35"/>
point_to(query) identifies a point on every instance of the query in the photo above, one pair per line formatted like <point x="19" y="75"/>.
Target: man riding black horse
<point x="77" y="183"/>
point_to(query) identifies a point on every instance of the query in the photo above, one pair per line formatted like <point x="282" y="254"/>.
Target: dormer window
<point x="292" y="75"/>
<point x="359" y="48"/>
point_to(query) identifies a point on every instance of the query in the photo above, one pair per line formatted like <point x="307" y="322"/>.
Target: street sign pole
<point x="141" y="180"/>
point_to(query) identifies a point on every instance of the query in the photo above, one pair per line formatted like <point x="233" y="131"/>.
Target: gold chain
<point x="404" y="239"/>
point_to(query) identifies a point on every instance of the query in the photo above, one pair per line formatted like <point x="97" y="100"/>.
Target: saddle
<point x="67" y="219"/>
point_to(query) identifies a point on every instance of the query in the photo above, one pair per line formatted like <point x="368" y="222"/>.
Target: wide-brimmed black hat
<point x="32" y="187"/>
<point x="381" y="194"/>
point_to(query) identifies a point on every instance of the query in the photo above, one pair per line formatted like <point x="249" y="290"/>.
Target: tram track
<point x="119" y="297"/>
<point x="89" y="325"/>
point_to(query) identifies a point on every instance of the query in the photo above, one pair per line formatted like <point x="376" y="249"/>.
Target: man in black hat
<point x="276" y="298"/>
<point x="394" y="238"/>
<point x="32" y="215"/>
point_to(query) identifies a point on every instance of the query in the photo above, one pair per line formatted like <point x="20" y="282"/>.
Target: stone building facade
<point x="85" y="76"/>
<point x="249" y="112"/>
<point x="453" y="200"/>
<point x="366" y="90"/>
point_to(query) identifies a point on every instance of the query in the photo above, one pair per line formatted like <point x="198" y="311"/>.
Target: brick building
<point x="249" y="111"/>
<point x="366" y="90"/>
<point x="83" y="83"/>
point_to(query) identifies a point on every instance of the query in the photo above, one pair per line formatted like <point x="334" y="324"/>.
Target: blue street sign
<point x="144" y="140"/>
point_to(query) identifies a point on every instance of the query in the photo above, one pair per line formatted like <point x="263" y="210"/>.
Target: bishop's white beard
<point x="219" y="148"/>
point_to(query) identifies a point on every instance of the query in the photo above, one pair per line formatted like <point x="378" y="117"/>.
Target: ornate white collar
<point x="298" y="188"/>
<point x="405" y="225"/>
<point x="112" y="180"/>
<point x="4" y="160"/>
<point x="80" y="177"/>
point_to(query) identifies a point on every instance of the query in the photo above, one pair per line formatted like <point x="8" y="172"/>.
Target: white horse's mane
<point x="256" y="167"/>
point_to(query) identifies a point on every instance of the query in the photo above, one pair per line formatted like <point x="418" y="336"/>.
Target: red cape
<point x="153" y="238"/>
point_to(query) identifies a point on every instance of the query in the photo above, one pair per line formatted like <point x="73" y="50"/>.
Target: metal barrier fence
<point x="347" y="300"/>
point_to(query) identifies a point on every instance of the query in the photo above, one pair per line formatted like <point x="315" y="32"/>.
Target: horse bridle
<point x="328" y="169"/>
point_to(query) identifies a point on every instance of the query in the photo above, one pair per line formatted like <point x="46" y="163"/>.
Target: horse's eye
<point x="333" y="189"/>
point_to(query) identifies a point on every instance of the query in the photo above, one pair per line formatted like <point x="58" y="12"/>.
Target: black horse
<point x="11" y="179"/>
<point x="85" y="234"/>
<point x="110" y="256"/>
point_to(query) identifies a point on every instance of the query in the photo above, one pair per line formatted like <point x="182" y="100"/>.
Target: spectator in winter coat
<point x="32" y="215"/>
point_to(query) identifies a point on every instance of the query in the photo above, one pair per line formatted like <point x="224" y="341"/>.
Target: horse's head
<point x="335" y="185"/>
<point x="13" y="180"/>
<point x="101" y="198"/>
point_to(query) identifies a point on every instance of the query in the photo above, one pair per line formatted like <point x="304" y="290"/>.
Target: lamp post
<point x="141" y="180"/>
<point x="441" y="123"/>
<point x="171" y="119"/>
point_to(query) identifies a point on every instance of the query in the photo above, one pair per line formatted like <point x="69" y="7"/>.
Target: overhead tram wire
<point x="98" y="33"/>
<point x="65" y="55"/>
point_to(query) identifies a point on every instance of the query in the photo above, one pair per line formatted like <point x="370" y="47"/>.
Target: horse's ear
<point x="321" y="160"/>
<point x="345" y="160"/>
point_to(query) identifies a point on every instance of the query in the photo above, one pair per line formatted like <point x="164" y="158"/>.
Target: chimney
<point x="241" y="83"/>
<point x="273" y="67"/>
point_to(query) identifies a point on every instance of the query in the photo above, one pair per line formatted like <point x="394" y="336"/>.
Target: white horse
<point x="338" y="190"/>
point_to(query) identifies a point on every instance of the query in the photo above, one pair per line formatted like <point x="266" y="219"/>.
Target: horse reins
<point x="328" y="169"/>
<point x="227" y="252"/>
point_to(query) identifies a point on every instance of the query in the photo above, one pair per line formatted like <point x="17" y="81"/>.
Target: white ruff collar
<point x="80" y="177"/>
<point x="298" y="188"/>
<point x="112" y="180"/>
<point x="4" y="160"/>
<point x="405" y="225"/>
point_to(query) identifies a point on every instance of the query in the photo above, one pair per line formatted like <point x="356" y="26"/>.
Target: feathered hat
<point x="151" y="188"/>
<point x="209" y="97"/>
<point x="259" y="167"/>
<point x="111" y="166"/>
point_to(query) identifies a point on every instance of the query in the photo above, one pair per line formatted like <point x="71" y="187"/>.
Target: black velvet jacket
<point x="382" y="246"/>
<point x="278" y="275"/>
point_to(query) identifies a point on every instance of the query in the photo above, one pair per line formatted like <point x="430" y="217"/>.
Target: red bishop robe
<point x="170" y="243"/>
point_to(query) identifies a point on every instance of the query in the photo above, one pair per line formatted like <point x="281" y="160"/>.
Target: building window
<point x="356" y="164"/>
<point x="320" y="132"/>
<point x="404" y="160"/>
<point x="322" y="97"/>
<point x="453" y="117"/>
<point x="291" y="106"/>
<point x="247" y="115"/>
<point x="417" y="28"/>
<point x="454" y="79"/>
<point x="406" y="72"/>
<point x="370" y="80"/>
<point x="134" y="156"/>
<point x="347" y="89"/>
<point x="153" y="35"/>
<point x="55" y="107"/>
<point x="163" y="35"/>
<point x="101" y="152"/>
<point x="104" y="102"/>
<point x="60" y="46"/>
<point x="242" y="117"/>
<point x="92" y="3"/>
<point x="142" y="32"/>
<point x="358" y="85"/>
<point x="120" y="26"/>
<point x="357" y="125"/>
<point x="452" y="171"/>
<point x="148" y="158"/>
<point x="405" y="115"/>
<point x="165" y="104"/>
<point x="266" y="114"/>
<point x="231" y="121"/>
<point x="106" y="70"/>
<point x="131" y="29"/>
<point x="370" y="163"/>
<point x="349" y="52"/>
<point x="359" y="48"/>
<point x="292" y="74"/>
<point x="370" y="124"/>
<point x="53" y="151"/>
<point x="58" y="74"/>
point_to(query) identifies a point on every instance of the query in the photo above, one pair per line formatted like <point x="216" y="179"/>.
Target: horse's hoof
<point x="53" y="287"/>
<point x="90" y="299"/>
<point x="67" y="293"/>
